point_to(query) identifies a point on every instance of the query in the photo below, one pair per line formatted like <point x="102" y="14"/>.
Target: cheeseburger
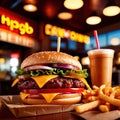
<point x="50" y="77"/>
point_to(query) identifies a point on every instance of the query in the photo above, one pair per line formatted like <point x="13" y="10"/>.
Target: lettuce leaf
<point x="54" y="71"/>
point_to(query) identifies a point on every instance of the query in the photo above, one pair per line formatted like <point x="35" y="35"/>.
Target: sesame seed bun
<point x="47" y="57"/>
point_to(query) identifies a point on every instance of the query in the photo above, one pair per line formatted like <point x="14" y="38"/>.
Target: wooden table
<point x="5" y="114"/>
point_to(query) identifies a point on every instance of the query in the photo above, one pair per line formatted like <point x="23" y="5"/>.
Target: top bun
<point x="47" y="57"/>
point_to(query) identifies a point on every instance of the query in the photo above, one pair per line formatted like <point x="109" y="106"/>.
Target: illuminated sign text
<point x="63" y="33"/>
<point x="14" y="24"/>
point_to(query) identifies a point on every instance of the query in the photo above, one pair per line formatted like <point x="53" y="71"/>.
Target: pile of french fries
<point x="104" y="98"/>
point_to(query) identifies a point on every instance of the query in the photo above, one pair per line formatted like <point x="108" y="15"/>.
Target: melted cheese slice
<point x="47" y="96"/>
<point x="85" y="82"/>
<point x="23" y="95"/>
<point x="42" y="80"/>
<point x="14" y="82"/>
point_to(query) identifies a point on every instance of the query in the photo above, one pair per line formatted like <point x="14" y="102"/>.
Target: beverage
<point x="101" y="61"/>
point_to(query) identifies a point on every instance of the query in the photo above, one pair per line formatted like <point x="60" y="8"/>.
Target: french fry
<point x="92" y="98"/>
<point x="112" y="101"/>
<point x="95" y="87"/>
<point x="107" y="90"/>
<point x="105" y="98"/>
<point x="94" y="92"/>
<point x="102" y="86"/>
<point x="116" y="87"/>
<point x="112" y="95"/>
<point x="110" y="98"/>
<point x="87" y="106"/>
<point x="104" y="108"/>
<point x="117" y="94"/>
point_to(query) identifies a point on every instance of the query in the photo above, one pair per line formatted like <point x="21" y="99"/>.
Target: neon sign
<point x="11" y="37"/>
<point x="63" y="33"/>
<point x="24" y="28"/>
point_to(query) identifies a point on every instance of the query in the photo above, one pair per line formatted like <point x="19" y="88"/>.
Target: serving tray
<point x="18" y="109"/>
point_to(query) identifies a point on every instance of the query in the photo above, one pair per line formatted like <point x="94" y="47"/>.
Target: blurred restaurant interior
<point x="28" y="26"/>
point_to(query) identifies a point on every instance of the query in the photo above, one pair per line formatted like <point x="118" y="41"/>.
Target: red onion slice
<point x="66" y="66"/>
<point x="38" y="67"/>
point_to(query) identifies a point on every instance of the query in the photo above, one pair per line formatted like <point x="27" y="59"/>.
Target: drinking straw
<point x="58" y="44"/>
<point x="96" y="39"/>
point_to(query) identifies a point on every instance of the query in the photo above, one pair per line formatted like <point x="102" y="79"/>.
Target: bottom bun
<point x="57" y="100"/>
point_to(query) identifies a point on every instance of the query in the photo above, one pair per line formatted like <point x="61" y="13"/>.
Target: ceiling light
<point x="93" y="20"/>
<point x="30" y="7"/>
<point x="111" y="10"/>
<point x="73" y="4"/>
<point x="65" y="15"/>
<point x="85" y="61"/>
<point x="115" y="41"/>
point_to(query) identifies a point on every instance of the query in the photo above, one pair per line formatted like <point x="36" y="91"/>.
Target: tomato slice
<point x="53" y="90"/>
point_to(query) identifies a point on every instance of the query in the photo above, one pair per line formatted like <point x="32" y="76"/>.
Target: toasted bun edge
<point x="59" y="101"/>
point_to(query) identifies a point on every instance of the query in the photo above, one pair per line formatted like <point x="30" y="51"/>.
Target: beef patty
<point x="59" y="82"/>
